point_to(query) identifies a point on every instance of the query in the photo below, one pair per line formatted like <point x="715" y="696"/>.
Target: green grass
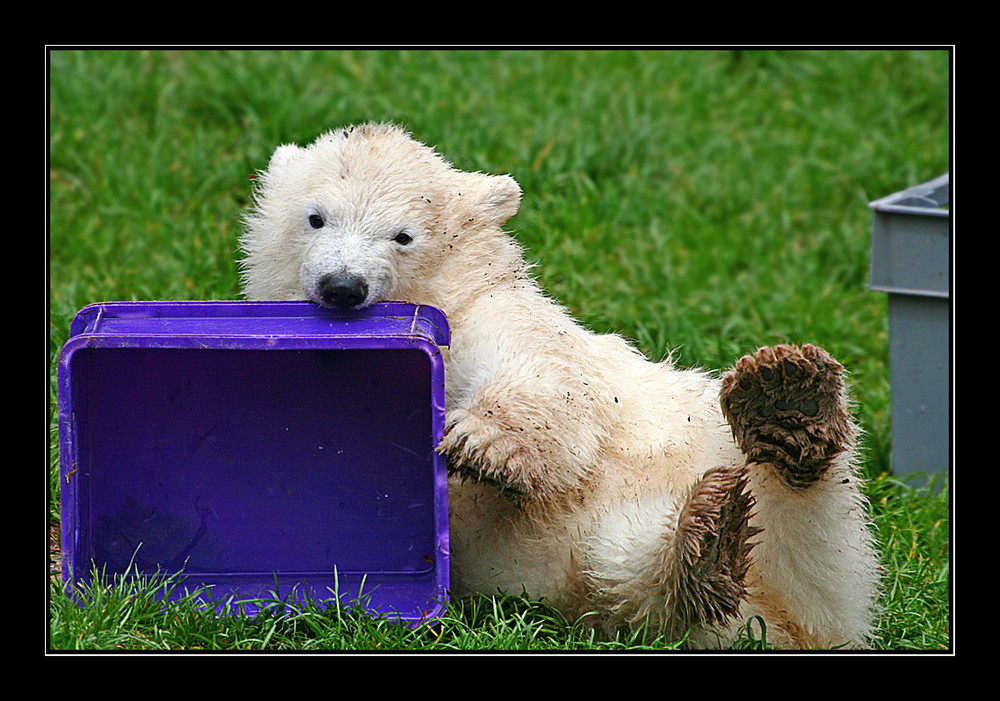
<point x="699" y="202"/>
<point x="125" y="614"/>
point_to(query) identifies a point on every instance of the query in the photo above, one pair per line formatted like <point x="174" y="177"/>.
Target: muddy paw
<point x="712" y="550"/>
<point x="787" y="407"/>
<point x="479" y="450"/>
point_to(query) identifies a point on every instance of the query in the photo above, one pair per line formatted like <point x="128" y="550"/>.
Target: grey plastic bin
<point x="910" y="260"/>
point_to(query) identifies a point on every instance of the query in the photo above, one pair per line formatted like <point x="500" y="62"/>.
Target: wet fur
<point x="582" y="472"/>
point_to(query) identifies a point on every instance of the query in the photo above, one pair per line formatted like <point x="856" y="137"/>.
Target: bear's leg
<point x="814" y="576"/>
<point x="677" y="563"/>
<point x="706" y="566"/>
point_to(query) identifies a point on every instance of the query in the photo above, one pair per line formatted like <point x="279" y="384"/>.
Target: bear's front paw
<point x="787" y="407"/>
<point x="481" y="449"/>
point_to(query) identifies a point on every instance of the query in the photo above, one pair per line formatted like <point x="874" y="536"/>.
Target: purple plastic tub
<point x="258" y="448"/>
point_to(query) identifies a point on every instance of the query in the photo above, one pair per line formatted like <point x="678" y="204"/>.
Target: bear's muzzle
<point x="342" y="291"/>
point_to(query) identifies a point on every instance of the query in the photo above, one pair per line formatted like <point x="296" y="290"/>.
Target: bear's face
<point x="358" y="215"/>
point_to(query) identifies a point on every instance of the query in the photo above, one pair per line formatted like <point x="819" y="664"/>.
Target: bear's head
<point x="361" y="214"/>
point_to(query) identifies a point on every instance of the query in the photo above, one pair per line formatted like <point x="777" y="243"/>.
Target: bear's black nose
<point x="342" y="291"/>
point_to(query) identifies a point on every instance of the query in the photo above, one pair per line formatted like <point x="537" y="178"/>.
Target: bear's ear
<point x="282" y="156"/>
<point x="497" y="197"/>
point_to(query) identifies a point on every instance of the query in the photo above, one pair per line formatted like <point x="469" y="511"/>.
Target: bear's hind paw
<point x="787" y="407"/>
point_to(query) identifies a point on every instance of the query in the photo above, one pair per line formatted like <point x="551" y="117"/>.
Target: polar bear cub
<point x="632" y="491"/>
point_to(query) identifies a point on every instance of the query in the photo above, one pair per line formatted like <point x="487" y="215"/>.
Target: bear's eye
<point x="402" y="238"/>
<point x="315" y="221"/>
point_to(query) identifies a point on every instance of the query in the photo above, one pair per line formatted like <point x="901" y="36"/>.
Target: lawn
<point x="702" y="203"/>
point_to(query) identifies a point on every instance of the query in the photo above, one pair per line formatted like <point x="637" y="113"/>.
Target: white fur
<point x="608" y="441"/>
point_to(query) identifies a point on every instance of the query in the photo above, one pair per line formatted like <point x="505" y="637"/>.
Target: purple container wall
<point x="259" y="448"/>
